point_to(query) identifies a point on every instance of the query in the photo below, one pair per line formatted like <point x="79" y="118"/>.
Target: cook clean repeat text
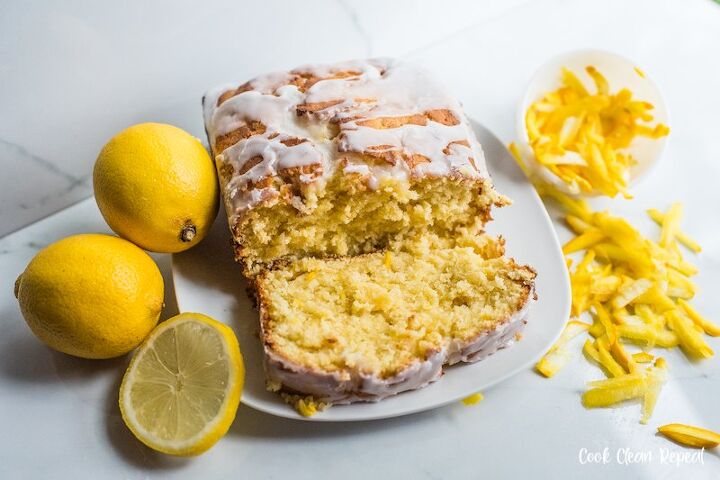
<point x="629" y="456"/>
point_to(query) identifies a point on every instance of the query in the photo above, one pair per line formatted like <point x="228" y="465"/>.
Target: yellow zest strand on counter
<point x="690" y="436"/>
<point x="582" y="137"/>
<point x="709" y="327"/>
<point x="691" y="339"/>
<point x="641" y="385"/>
<point x="558" y="355"/>
<point x="612" y="367"/>
<point x="659" y="218"/>
<point x="473" y="399"/>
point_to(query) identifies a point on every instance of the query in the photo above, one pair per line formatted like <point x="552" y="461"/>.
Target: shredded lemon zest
<point x="658" y="217"/>
<point x="583" y="241"/>
<point x="582" y="137"/>
<point x="643" y="357"/>
<point x="515" y="151"/>
<point x="387" y="260"/>
<point x="557" y="357"/>
<point x="576" y="224"/>
<point x="637" y="291"/>
<point x="690" y="436"/>
<point x="613" y="368"/>
<point x="690" y="338"/>
<point x="702" y="322"/>
<point x="306" y="406"/>
<point x="623" y="358"/>
<point x="630" y="291"/>
<point x="473" y="399"/>
<point x="590" y="350"/>
<point x="670" y="225"/>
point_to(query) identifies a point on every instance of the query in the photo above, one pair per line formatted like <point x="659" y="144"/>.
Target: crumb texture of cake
<point x="343" y="159"/>
<point x="366" y="327"/>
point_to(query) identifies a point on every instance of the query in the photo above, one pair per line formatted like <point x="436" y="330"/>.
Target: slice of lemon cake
<point x="367" y="327"/>
<point x="343" y="159"/>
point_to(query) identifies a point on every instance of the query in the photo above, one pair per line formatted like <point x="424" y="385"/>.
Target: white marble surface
<point x="72" y="74"/>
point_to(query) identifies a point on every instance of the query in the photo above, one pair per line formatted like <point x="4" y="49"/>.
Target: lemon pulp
<point x="182" y="389"/>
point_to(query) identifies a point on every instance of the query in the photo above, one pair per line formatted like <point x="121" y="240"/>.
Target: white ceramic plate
<point x="208" y="281"/>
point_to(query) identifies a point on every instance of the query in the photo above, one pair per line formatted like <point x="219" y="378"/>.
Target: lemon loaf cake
<point x="367" y="327"/>
<point x="342" y="159"/>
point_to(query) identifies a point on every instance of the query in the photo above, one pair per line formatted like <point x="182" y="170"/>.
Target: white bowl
<point x="620" y="73"/>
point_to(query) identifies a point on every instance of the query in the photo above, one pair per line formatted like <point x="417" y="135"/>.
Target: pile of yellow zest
<point x="473" y="399"/>
<point x="582" y="138"/>
<point x="636" y="291"/>
<point x="690" y="436"/>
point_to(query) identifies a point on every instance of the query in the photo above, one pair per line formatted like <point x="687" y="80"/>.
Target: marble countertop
<point x="73" y="73"/>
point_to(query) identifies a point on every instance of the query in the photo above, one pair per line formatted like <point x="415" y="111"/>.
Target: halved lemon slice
<point x="182" y="388"/>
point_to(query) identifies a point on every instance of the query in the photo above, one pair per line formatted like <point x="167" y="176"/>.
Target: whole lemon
<point x="156" y="186"/>
<point x="92" y="296"/>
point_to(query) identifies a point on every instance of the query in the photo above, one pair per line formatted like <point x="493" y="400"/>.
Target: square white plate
<point x="207" y="280"/>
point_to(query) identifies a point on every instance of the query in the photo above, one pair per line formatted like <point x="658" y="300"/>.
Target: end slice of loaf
<point x="371" y="326"/>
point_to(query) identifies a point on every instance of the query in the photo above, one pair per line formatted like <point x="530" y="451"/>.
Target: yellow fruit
<point x="182" y="389"/>
<point x="690" y="436"/>
<point x="155" y="185"/>
<point x="92" y="296"/>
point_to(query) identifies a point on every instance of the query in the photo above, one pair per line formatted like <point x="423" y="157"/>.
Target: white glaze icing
<point x="356" y="386"/>
<point x="372" y="89"/>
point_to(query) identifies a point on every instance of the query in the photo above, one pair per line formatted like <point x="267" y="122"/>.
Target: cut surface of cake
<point x="374" y="325"/>
<point x="344" y="159"/>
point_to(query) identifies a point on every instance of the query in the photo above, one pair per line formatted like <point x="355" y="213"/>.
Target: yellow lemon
<point x="92" y="296"/>
<point x="155" y="185"/>
<point x="182" y="388"/>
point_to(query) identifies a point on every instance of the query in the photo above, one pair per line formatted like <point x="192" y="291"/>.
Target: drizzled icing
<point x="375" y="118"/>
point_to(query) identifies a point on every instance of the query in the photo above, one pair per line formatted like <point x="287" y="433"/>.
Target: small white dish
<point x="207" y="280"/>
<point x="620" y="73"/>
